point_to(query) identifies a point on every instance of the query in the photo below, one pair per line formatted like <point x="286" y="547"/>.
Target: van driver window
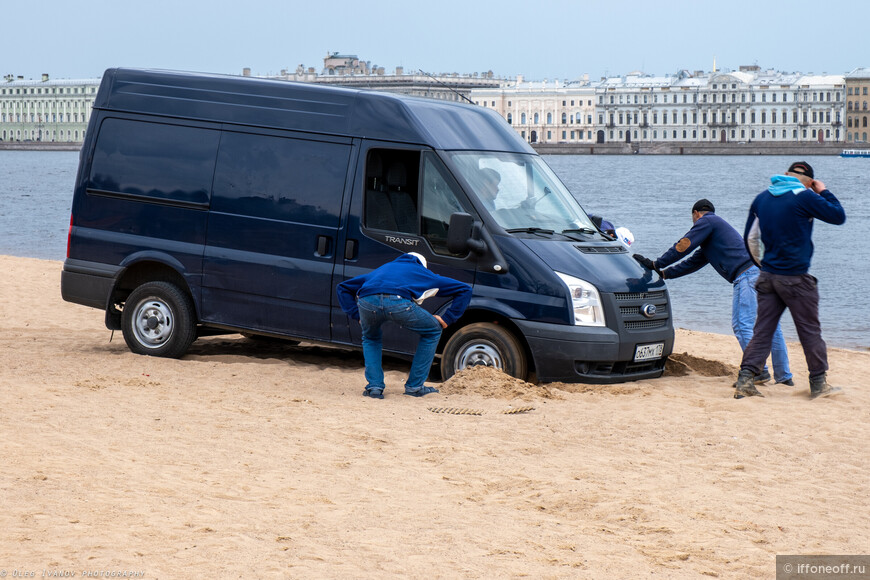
<point x="439" y="203"/>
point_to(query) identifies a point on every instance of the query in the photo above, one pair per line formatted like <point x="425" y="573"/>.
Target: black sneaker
<point x="374" y="393"/>
<point x="421" y="392"/>
<point x="762" y="377"/>
<point x="787" y="383"/>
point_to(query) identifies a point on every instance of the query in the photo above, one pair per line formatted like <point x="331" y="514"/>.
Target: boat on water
<point x="855" y="153"/>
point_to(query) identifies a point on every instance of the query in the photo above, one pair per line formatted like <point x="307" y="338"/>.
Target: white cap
<point x="625" y="236"/>
<point x="419" y="257"/>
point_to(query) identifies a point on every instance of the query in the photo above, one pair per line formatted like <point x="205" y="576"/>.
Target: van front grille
<point x="644" y="324"/>
<point x="625" y="296"/>
<point x="631" y="309"/>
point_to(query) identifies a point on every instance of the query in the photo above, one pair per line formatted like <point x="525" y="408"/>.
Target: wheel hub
<point x="480" y="354"/>
<point x="153" y="324"/>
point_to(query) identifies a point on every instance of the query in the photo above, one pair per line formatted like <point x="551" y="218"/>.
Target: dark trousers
<point x="800" y="294"/>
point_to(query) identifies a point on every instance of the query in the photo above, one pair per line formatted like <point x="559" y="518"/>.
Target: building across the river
<point x="45" y="110"/>
<point x="749" y="105"/>
<point x="857" y="113"/>
<point x="708" y="109"/>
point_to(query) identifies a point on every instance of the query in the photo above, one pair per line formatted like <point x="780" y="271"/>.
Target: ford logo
<point x="648" y="310"/>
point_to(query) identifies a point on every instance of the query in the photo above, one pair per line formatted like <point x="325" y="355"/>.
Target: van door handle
<point x="350" y="250"/>
<point x="322" y="245"/>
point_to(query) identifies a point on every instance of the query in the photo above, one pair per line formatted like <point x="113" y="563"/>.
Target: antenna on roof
<point x="422" y="72"/>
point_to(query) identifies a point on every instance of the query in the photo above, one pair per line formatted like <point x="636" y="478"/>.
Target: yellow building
<point x="857" y="112"/>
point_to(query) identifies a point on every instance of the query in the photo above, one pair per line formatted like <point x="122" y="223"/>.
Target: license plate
<point x="649" y="351"/>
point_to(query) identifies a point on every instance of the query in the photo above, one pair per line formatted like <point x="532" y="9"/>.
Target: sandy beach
<point x="263" y="460"/>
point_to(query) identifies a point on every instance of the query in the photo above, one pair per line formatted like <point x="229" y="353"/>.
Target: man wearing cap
<point x="393" y="293"/>
<point x="714" y="241"/>
<point x="784" y="213"/>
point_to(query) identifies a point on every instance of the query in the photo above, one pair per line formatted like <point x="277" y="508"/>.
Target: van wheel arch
<point x="134" y="276"/>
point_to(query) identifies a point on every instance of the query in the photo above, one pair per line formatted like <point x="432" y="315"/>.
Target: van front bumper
<point x="588" y="354"/>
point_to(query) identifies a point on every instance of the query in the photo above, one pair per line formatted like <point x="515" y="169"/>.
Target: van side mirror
<point x="460" y="235"/>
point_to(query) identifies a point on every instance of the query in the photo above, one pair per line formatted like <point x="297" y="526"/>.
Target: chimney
<point x="246" y="72"/>
<point x="400" y="70"/>
<point x="44" y="77"/>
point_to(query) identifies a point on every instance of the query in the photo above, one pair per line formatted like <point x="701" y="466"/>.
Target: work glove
<point x="645" y="262"/>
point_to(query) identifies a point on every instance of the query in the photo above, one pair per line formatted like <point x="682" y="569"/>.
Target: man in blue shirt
<point x="784" y="213"/>
<point x="714" y="241"/>
<point x="393" y="293"/>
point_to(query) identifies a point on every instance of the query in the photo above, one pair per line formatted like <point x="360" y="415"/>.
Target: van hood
<point x="606" y="265"/>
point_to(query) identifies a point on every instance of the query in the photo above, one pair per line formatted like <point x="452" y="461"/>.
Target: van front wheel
<point x="483" y="344"/>
<point x="158" y="320"/>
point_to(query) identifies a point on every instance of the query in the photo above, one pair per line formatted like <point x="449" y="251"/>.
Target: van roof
<point x="306" y="107"/>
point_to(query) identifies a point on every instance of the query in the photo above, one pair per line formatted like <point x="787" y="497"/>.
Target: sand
<point x="263" y="460"/>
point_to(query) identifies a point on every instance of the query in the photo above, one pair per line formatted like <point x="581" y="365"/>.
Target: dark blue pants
<point x="800" y="294"/>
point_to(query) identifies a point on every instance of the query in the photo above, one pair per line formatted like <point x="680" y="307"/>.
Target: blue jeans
<point x="377" y="309"/>
<point x="744" y="306"/>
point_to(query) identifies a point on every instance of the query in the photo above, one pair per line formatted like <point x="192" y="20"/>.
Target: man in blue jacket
<point x="393" y="293"/>
<point x="785" y="213"/>
<point x="714" y="241"/>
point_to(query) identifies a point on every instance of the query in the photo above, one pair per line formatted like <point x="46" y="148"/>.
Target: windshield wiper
<point x="580" y="231"/>
<point x="540" y="231"/>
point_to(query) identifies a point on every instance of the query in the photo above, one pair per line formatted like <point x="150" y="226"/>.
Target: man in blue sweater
<point x="785" y="213"/>
<point x="714" y="241"/>
<point x="393" y="293"/>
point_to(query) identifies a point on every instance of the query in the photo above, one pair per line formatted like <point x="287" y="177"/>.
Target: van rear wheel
<point x="484" y="344"/>
<point x="159" y="320"/>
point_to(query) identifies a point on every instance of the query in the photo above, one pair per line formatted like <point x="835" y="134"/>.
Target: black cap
<point x="703" y="205"/>
<point x="801" y="168"/>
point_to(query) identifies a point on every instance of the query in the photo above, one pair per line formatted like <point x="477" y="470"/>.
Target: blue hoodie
<point x="785" y="213"/>
<point x="406" y="277"/>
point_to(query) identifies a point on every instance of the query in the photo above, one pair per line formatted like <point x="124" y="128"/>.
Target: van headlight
<point x="588" y="310"/>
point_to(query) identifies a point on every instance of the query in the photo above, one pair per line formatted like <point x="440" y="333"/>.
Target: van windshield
<point x="521" y="192"/>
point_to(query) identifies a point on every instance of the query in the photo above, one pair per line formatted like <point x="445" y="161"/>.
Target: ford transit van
<point x="217" y="204"/>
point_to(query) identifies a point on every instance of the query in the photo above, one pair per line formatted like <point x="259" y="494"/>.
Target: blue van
<point x="217" y="204"/>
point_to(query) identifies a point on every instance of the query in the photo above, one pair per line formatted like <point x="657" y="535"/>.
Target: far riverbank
<point x="689" y="148"/>
<point x="675" y="148"/>
<point x="38" y="146"/>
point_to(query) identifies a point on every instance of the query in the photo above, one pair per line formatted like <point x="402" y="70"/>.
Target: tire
<point x="484" y="343"/>
<point x="159" y="320"/>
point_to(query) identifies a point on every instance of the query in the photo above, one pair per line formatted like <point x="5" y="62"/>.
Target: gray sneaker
<point x="819" y="387"/>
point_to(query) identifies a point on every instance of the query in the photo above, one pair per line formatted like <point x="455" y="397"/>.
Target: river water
<point x="651" y="195"/>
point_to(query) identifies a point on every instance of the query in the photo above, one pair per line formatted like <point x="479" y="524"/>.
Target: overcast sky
<point x="540" y="39"/>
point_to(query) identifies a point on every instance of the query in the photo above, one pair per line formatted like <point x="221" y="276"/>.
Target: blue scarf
<point x="781" y="184"/>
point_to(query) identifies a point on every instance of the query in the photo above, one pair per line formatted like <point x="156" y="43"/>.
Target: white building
<point x="748" y="105"/>
<point x="45" y="110"/>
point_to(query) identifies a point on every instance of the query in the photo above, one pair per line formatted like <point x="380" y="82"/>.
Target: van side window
<point x="280" y="178"/>
<point x="154" y="160"/>
<point x="391" y="197"/>
<point x="439" y="203"/>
